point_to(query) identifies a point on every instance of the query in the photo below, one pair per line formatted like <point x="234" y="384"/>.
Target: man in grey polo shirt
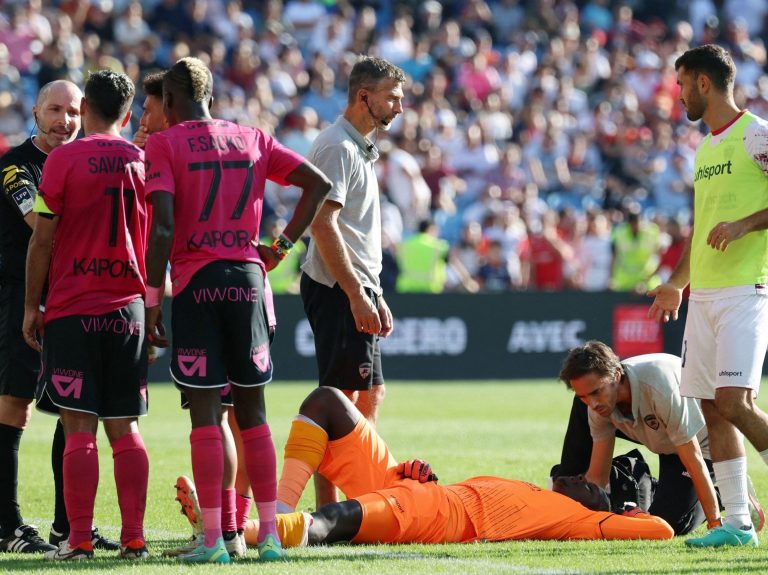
<point x="340" y="285"/>
<point x="639" y="399"/>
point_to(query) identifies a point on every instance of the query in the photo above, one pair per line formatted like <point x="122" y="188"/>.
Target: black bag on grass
<point x="631" y="482"/>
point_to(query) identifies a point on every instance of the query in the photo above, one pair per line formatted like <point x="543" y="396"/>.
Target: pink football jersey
<point x="96" y="187"/>
<point x="216" y="171"/>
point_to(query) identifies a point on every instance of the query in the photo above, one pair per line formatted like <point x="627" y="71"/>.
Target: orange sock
<point x="304" y="451"/>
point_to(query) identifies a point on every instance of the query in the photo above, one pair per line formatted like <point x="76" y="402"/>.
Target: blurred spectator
<point x="672" y="185"/>
<point x="304" y="19"/>
<point x="9" y="76"/>
<point x="300" y="130"/>
<point x="20" y="38"/>
<point x="636" y="246"/>
<point x="543" y="255"/>
<point x="594" y="254"/>
<point x="323" y="96"/>
<point x="753" y="13"/>
<point x="332" y="36"/>
<point x="406" y="186"/>
<point x="507" y="17"/>
<point x="421" y="260"/>
<point x="396" y="44"/>
<point x="464" y="260"/>
<point x="494" y="275"/>
<point x="11" y="120"/>
<point x="130" y="28"/>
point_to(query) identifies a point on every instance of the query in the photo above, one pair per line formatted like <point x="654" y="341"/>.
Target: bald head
<point x="57" y="114"/>
<point x="57" y="87"/>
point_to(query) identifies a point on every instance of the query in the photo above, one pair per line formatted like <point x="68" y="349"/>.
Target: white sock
<point x="731" y="478"/>
<point x="764" y="455"/>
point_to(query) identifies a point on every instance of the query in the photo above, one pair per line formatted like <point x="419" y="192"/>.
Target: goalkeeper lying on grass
<point x="387" y="503"/>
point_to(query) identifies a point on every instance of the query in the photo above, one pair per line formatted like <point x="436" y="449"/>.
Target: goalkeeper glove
<point x="417" y="469"/>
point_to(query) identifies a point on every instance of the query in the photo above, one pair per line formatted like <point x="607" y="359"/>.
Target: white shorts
<point x="724" y="344"/>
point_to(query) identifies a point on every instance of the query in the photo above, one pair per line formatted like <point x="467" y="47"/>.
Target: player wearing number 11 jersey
<point x="91" y="229"/>
<point x="205" y="180"/>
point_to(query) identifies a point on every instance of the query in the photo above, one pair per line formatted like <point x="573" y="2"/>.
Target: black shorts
<point x="19" y="363"/>
<point x="220" y="331"/>
<point x="96" y="364"/>
<point x="226" y="397"/>
<point x="346" y="358"/>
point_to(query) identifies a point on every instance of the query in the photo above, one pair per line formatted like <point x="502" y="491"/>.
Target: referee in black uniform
<point x="57" y="117"/>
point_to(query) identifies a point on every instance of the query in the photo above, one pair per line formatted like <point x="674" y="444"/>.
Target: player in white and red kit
<point x="205" y="180"/>
<point x="91" y="230"/>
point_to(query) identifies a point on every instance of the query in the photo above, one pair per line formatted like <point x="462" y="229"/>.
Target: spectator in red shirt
<point x="543" y="254"/>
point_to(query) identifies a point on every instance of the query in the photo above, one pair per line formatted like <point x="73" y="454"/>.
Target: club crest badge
<point x="651" y="421"/>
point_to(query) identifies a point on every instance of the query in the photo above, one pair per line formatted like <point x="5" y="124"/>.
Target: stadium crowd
<point x="542" y="144"/>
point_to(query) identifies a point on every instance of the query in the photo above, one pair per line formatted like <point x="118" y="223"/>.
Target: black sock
<point x="10" y="514"/>
<point x="60" y="521"/>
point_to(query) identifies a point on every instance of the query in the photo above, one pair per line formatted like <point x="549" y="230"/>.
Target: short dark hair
<point x="592" y="357"/>
<point x="193" y="77"/>
<point x="712" y="60"/>
<point x="153" y="84"/>
<point x="109" y="94"/>
<point x="368" y="71"/>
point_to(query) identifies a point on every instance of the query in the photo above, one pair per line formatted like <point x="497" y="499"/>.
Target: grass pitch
<point x="511" y="429"/>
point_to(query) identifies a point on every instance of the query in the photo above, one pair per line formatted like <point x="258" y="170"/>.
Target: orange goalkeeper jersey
<point x="360" y="462"/>
<point x="491" y="509"/>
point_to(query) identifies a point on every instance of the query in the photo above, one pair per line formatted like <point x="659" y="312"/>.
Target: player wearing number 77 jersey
<point x="205" y="180"/>
<point x="91" y="228"/>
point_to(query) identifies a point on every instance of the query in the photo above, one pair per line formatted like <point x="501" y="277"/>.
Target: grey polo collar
<point x="367" y="147"/>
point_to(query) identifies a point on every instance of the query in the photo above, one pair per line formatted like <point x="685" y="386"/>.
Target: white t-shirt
<point x="661" y="418"/>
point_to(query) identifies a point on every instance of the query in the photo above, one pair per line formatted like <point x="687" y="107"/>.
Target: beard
<point x="695" y="107"/>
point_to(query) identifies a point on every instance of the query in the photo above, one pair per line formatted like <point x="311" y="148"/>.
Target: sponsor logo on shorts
<point x="143" y="390"/>
<point x="233" y="294"/>
<point x="651" y="421"/>
<point x="726" y="373"/>
<point x="260" y="356"/>
<point x="111" y="325"/>
<point x="68" y="382"/>
<point x="193" y="361"/>
<point x="396" y="503"/>
<point x="365" y="370"/>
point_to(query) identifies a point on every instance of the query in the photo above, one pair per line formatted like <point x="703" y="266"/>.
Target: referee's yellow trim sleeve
<point x="41" y="207"/>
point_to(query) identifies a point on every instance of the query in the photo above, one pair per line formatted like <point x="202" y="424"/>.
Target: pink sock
<point x="81" y="478"/>
<point x="260" y="462"/>
<point x="228" y="510"/>
<point x="131" y="478"/>
<point x="208" y="470"/>
<point x="243" y="504"/>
